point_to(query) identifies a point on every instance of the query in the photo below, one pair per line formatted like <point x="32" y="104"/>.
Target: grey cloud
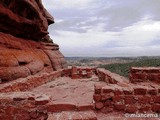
<point x="121" y="17"/>
<point x="74" y="17"/>
<point x="116" y="15"/>
<point x="154" y="42"/>
<point x="127" y="12"/>
<point x="67" y="25"/>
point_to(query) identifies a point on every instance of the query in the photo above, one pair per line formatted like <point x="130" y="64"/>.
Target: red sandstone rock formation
<point x="24" y="18"/>
<point x="25" y="46"/>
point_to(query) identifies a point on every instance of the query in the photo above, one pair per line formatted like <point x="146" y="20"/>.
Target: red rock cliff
<point x="25" y="46"/>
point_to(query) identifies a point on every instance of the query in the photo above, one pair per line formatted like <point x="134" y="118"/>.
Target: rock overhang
<point x="25" y="18"/>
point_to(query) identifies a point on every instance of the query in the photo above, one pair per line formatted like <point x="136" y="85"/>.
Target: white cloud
<point x="106" y="27"/>
<point x="63" y="4"/>
<point x="76" y="40"/>
<point x="140" y="34"/>
<point x="133" y="40"/>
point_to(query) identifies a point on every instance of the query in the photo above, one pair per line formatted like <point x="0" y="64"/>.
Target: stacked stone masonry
<point x="118" y="94"/>
<point x="16" y="102"/>
<point x="139" y="74"/>
<point x="81" y="72"/>
<point x="29" y="106"/>
<point x="121" y="94"/>
<point x="23" y="106"/>
<point x="30" y="82"/>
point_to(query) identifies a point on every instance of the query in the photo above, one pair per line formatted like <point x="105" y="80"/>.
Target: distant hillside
<point x="96" y="61"/>
<point x="123" y="68"/>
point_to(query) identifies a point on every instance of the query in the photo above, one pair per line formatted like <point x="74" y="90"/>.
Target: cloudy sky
<point x="106" y="28"/>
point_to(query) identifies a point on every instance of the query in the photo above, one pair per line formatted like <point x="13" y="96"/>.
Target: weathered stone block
<point x="97" y="97"/>
<point x="152" y="91"/>
<point x="131" y="109"/>
<point x="127" y="91"/>
<point x="156" y="108"/>
<point x="119" y="107"/>
<point x="156" y="99"/>
<point x="129" y="99"/>
<point x="60" y="107"/>
<point x="108" y="89"/>
<point x="143" y="99"/>
<point x="145" y="108"/>
<point x="99" y="105"/>
<point x="118" y="98"/>
<point x="140" y="90"/>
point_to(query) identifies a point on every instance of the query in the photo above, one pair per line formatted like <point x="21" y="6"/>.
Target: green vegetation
<point x="85" y="61"/>
<point x="123" y="68"/>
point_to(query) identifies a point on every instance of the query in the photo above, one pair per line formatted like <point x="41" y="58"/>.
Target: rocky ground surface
<point x="74" y="100"/>
<point x="66" y="90"/>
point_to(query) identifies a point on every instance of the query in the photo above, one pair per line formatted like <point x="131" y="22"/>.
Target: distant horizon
<point x="108" y="56"/>
<point x="106" y="27"/>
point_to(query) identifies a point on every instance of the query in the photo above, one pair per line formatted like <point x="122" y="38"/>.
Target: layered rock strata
<point x="25" y="46"/>
<point x="24" y="18"/>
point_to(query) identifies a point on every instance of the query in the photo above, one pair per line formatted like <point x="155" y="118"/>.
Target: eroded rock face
<point x="24" y="18"/>
<point x="25" y="46"/>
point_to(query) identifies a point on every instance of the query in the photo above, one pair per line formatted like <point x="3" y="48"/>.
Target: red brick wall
<point x="23" y="106"/>
<point x="128" y="99"/>
<point x="144" y="74"/>
<point x="82" y="72"/>
<point x="109" y="77"/>
<point x="23" y="84"/>
<point x="119" y="94"/>
<point x="27" y="105"/>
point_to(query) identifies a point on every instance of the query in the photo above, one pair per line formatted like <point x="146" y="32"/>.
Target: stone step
<point x="73" y="115"/>
<point x="59" y="107"/>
